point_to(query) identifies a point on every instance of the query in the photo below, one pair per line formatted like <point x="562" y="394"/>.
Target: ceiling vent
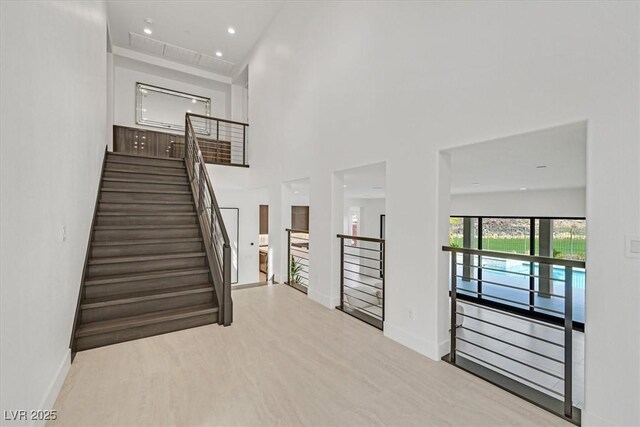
<point x="215" y="64"/>
<point x="145" y="43"/>
<point x="179" y="54"/>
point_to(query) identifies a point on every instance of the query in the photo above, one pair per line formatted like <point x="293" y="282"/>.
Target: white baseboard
<point x="55" y="386"/>
<point x="411" y="340"/>
<point x="444" y="348"/>
<point x="322" y="299"/>
<point x="589" y="419"/>
<point x="335" y="302"/>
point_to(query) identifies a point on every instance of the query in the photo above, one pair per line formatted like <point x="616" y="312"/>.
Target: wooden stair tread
<point x="143" y="202"/>
<point x="132" y="297"/>
<point x="143" y="227"/>
<point x="134" y="156"/>
<point x="168" y="173"/>
<point x="146" y="161"/>
<point x="138" y="213"/>
<point x="145" y="181"/>
<point x="170" y="167"/>
<point x="105" y="280"/>
<point x="147" y="241"/>
<point x="126" y="190"/>
<point x="105" y="326"/>
<point x="138" y="258"/>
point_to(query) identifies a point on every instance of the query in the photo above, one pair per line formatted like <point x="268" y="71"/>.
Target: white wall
<point x="53" y="136"/>
<point x="339" y="85"/>
<point x="569" y="202"/>
<point x="230" y="186"/>
<point x="370" y="211"/>
<point x="128" y="72"/>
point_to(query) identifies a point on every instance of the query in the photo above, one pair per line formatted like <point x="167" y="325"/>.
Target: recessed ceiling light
<point x="345" y="185"/>
<point x="296" y="192"/>
<point x="148" y="31"/>
<point x="193" y="101"/>
<point x="188" y="111"/>
<point x="218" y="53"/>
<point x="231" y="30"/>
<point x="541" y="166"/>
<point x="523" y="188"/>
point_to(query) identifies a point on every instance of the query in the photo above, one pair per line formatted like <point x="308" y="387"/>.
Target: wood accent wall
<point x="300" y="217"/>
<point x="150" y="143"/>
<point x="264" y="219"/>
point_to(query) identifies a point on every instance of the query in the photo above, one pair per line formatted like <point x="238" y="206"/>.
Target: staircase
<point x="148" y="270"/>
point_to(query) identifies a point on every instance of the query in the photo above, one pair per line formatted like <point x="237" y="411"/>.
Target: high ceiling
<point x="553" y="158"/>
<point x="192" y="32"/>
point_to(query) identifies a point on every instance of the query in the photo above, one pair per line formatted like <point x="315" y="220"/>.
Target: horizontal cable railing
<point x="532" y="351"/>
<point x="362" y="278"/>
<point x="214" y="233"/>
<point x="221" y="141"/>
<point x="298" y="259"/>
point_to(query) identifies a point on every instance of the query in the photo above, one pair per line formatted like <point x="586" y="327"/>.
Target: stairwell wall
<point x="53" y="136"/>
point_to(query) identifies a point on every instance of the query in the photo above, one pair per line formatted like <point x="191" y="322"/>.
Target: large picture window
<point x="165" y="108"/>
<point x="562" y="238"/>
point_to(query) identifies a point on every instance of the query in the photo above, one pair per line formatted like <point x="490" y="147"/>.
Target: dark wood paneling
<point x="150" y="143"/>
<point x="300" y="217"/>
<point x="264" y="219"/>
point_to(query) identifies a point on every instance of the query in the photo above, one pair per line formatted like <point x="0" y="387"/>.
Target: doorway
<point x="263" y="243"/>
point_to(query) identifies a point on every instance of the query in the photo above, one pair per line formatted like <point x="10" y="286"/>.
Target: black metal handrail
<point x="518" y="257"/>
<point x="216" y="239"/>
<point x="477" y="339"/>
<point x="362" y="278"/>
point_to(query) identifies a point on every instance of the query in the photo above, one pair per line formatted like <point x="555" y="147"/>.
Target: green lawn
<point x="575" y="249"/>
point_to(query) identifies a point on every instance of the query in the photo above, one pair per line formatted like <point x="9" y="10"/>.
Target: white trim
<point x="411" y="340"/>
<point x="443" y="348"/>
<point x="54" y="388"/>
<point x="589" y="419"/>
<point x="335" y="301"/>
<point x="320" y="298"/>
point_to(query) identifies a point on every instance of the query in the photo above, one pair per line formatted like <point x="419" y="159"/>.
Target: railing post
<point x="342" y="274"/>
<point x="383" y="248"/>
<point x="244" y="145"/>
<point x="226" y="288"/>
<point x="211" y="225"/>
<point x="452" y="338"/>
<point x="218" y="130"/>
<point x="288" y="257"/>
<point x="186" y="134"/>
<point x="568" y="341"/>
<point x="200" y="189"/>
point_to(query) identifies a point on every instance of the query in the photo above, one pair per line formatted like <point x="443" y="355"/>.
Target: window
<point x="547" y="237"/>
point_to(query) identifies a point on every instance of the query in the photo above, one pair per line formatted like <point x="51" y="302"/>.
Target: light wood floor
<point x="284" y="361"/>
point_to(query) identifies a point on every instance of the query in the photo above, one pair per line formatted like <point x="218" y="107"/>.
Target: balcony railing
<point x="494" y="334"/>
<point x="221" y="141"/>
<point x="362" y="278"/>
<point x="298" y="259"/>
